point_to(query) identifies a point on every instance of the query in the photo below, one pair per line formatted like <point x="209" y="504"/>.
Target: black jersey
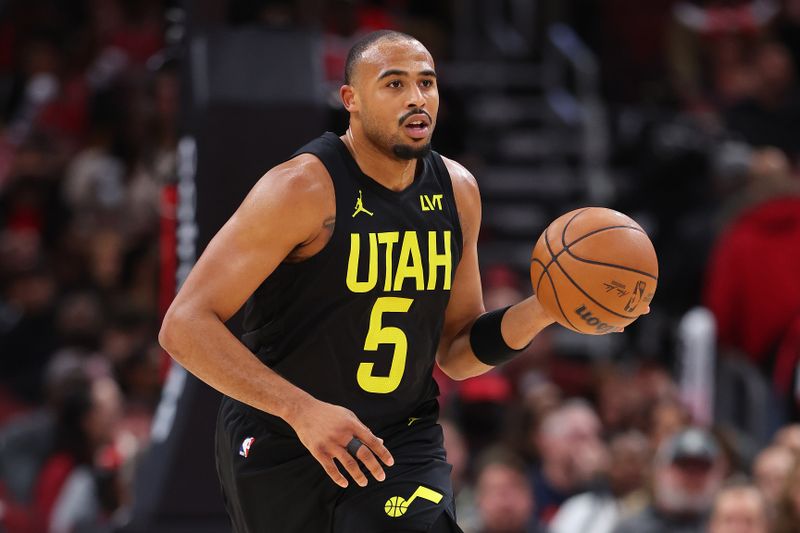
<point x="358" y="324"/>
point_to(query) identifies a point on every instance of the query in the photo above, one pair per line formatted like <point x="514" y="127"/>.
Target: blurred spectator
<point x="572" y="456"/>
<point x="771" y="469"/>
<point x="686" y="476"/>
<point x="667" y="417"/>
<point x="789" y="437"/>
<point x="27" y="440"/>
<point x="504" y="500"/>
<point x="78" y="498"/>
<point x="539" y="397"/>
<point x="766" y="173"/>
<point x="79" y="321"/>
<point x="483" y="407"/>
<point x="739" y="509"/>
<point x="138" y="376"/>
<point x="771" y="116"/>
<point x="787" y="29"/>
<point x="65" y="494"/>
<point x="788" y="516"/>
<point x="751" y="279"/>
<point x="458" y="457"/>
<point x="28" y="335"/>
<point x="618" y="404"/>
<point x="709" y="49"/>
<point x="94" y="179"/>
<point x="619" y="496"/>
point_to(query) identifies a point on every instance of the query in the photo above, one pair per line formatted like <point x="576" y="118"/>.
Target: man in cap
<point x="688" y="472"/>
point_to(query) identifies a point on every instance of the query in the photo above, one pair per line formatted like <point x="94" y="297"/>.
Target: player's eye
<point x="394" y="84"/>
<point x="427" y="83"/>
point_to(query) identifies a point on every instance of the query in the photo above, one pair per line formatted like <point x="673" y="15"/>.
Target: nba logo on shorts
<point x="244" y="449"/>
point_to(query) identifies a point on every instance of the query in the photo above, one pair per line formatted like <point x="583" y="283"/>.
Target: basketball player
<point x="358" y="262"/>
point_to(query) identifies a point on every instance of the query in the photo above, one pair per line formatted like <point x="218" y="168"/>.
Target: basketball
<point x="594" y="270"/>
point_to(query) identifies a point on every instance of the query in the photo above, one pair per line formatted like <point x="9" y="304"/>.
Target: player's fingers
<point x="351" y="465"/>
<point x="375" y="444"/>
<point x="368" y="458"/>
<point x="333" y="471"/>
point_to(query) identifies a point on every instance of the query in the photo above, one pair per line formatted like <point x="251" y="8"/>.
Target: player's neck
<point x="392" y="173"/>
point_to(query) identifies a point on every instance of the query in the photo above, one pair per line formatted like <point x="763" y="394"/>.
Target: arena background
<point x="130" y="130"/>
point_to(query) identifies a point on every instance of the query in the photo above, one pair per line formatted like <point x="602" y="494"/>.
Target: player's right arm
<point x="288" y="212"/>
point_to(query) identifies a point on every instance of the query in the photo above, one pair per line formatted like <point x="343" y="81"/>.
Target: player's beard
<point x="393" y="145"/>
<point x="408" y="152"/>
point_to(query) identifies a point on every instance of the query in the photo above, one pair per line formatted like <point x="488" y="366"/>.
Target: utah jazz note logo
<point x="397" y="505"/>
<point x="360" y="206"/>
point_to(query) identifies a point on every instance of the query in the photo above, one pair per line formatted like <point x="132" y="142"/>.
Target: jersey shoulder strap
<point x="446" y="183"/>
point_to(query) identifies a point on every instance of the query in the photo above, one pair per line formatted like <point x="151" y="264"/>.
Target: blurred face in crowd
<point x="102" y="421"/>
<point x="667" y="418"/>
<point x="770" y="166"/>
<point x="504" y="499"/>
<point x="630" y="458"/>
<point x="456" y="448"/>
<point x="774" y="70"/>
<point x="79" y="319"/>
<point x="771" y="470"/>
<point x="789" y="437"/>
<point x="19" y="249"/>
<point x="540" y="397"/>
<point x="570" y="446"/>
<point x="617" y="402"/>
<point x="791" y="493"/>
<point x="31" y="293"/>
<point x="687" y="485"/>
<point x="393" y="98"/>
<point x="106" y="258"/>
<point x="739" y="510"/>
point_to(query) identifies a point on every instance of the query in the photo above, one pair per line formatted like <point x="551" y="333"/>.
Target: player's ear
<point x="348" y="95"/>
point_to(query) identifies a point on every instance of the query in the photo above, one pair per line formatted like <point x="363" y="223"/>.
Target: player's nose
<point x="415" y="97"/>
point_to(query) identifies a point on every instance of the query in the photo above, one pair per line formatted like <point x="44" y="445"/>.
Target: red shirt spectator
<point x="752" y="283"/>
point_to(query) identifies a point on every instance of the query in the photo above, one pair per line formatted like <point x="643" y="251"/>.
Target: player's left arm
<point x="520" y="324"/>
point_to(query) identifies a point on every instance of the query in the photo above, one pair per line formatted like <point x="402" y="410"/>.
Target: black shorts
<point x="271" y="484"/>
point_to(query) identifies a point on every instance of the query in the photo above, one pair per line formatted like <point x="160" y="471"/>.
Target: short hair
<point x="499" y="455"/>
<point x="553" y="422"/>
<point x="358" y="49"/>
<point x="740" y="486"/>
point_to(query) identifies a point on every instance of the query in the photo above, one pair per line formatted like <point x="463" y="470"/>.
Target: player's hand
<point x="620" y="330"/>
<point x="326" y="429"/>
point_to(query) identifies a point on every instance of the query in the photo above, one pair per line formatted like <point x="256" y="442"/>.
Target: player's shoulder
<point x="465" y="189"/>
<point x="303" y="173"/>
<point x="304" y="178"/>
<point x="467" y="197"/>
<point x="463" y="180"/>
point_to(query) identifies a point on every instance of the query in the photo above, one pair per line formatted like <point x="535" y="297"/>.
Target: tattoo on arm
<point x="298" y="254"/>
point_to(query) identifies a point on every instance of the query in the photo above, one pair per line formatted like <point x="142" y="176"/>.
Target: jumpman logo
<point x="360" y="206"/>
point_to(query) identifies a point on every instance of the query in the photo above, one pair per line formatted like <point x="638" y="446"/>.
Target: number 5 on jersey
<point x="377" y="335"/>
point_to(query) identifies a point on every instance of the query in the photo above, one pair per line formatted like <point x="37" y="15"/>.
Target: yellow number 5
<point x="378" y="334"/>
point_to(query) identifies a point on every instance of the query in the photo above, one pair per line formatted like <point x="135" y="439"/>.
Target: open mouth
<point x="417" y="128"/>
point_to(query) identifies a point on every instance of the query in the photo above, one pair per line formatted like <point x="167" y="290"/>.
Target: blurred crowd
<point x="624" y="456"/>
<point x="706" y="122"/>
<point x="88" y="106"/>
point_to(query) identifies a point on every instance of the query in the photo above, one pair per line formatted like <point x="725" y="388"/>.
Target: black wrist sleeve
<point x="487" y="340"/>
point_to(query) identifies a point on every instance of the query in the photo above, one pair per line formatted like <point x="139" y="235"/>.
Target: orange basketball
<point x="594" y="269"/>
